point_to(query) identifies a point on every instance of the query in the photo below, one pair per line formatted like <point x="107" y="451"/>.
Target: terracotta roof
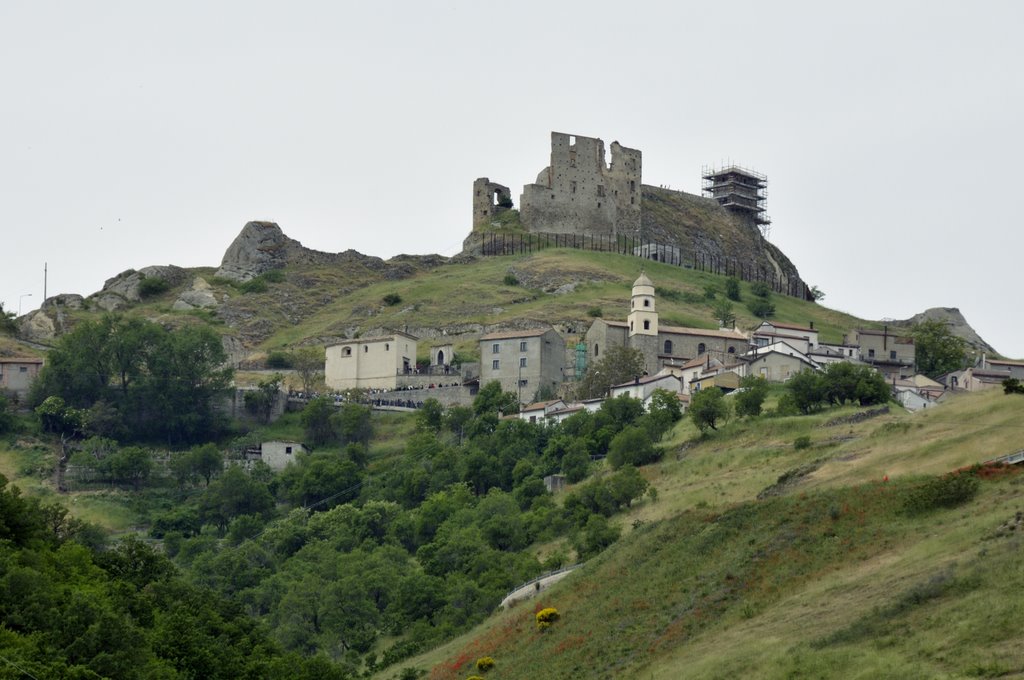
<point x="693" y="363"/>
<point x="906" y="340"/>
<point x="647" y="379"/>
<point x="504" y="335"/>
<point x="682" y="330"/>
<point x="1004" y="362"/>
<point x="567" y="409"/>
<point x="539" y="405"/>
<point x="20" y="360"/>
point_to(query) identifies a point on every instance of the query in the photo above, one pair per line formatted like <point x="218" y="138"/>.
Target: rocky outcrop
<point x="956" y="323"/>
<point x="198" y="296"/>
<point x="262" y="246"/>
<point x="124" y="287"/>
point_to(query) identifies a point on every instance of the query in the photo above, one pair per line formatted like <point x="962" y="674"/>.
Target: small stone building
<point x="17" y="375"/>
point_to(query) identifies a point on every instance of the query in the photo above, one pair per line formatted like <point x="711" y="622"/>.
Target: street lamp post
<point x="20" y="299"/>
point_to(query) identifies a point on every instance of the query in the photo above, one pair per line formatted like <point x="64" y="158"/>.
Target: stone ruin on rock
<point x="577" y="193"/>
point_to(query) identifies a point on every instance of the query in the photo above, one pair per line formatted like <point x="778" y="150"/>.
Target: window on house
<point x="892" y="354"/>
<point x="346" y="352"/>
<point x="871" y="354"/>
<point x="387" y="346"/>
<point x="701" y="348"/>
<point x="600" y="190"/>
<point x="522" y="346"/>
<point x="365" y="349"/>
<point x="522" y="362"/>
<point x="668" y="347"/>
<point x="572" y="187"/>
<point x="287" y="449"/>
<point x="494" y="364"/>
<point x="494" y="348"/>
<point x="24" y="369"/>
<point x="732" y="350"/>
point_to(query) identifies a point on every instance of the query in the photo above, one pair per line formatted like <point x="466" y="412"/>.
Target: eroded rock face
<point x="199" y="296"/>
<point x="260" y="247"/>
<point x="37" y="326"/>
<point x="67" y="300"/>
<point x="126" y="284"/>
<point x="956" y="323"/>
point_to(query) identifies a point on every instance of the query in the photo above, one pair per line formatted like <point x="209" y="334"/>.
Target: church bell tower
<point x="643" y="319"/>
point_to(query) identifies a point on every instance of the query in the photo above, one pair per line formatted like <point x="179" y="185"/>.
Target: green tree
<point x="493" y="400"/>
<point x="597" y="535"/>
<point x="722" y="310"/>
<point x="8" y="325"/>
<point x="132" y="465"/>
<point x="708" y="407"/>
<point x="317" y="419"/>
<point x="761" y="289"/>
<point x="430" y="416"/>
<point x="632" y="446"/>
<point x="936" y="349"/>
<point x="309" y="366"/>
<point x="234" y="493"/>
<point x="619" y="364"/>
<point x="261" y="401"/>
<point x="761" y="307"/>
<point x="664" y="411"/>
<point x="732" y="289"/>
<point x="751" y="396"/>
<point x="807" y="390"/>
<point x="352" y="423"/>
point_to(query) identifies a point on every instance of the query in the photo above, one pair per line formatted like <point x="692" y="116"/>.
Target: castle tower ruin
<point x="579" y="194"/>
<point x="490" y="199"/>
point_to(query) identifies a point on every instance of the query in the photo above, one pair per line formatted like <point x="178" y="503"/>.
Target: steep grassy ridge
<point x="831" y="579"/>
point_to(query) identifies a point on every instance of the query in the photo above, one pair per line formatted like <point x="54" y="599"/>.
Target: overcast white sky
<point x="138" y="133"/>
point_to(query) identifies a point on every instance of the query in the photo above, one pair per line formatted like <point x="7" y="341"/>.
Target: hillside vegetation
<point x="830" y="574"/>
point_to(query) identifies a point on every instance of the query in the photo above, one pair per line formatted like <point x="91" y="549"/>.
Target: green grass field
<point x="832" y="578"/>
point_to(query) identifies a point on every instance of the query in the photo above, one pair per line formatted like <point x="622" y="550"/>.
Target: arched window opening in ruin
<point x="701" y="348"/>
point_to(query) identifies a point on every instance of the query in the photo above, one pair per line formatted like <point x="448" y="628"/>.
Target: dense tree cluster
<point x="838" y="384"/>
<point x="133" y="378"/>
<point x="72" y="608"/>
<point x="421" y="548"/>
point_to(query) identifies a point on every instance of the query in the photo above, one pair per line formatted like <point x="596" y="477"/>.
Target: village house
<point x="370" y="363"/>
<point x="1014" y="369"/>
<point x="17" y="375"/>
<point x="800" y="337"/>
<point x="643" y="387"/>
<point x="889" y="353"/>
<point x="541" y="410"/>
<point x="777" y="362"/>
<point x="524" y="362"/>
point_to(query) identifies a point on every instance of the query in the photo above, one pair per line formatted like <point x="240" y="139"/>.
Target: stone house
<point x="523" y="362"/>
<point x="804" y="338"/>
<point x="777" y="362"/>
<point x="891" y="354"/>
<point x="277" y="454"/>
<point x="17" y="375"/>
<point x="370" y="363"/>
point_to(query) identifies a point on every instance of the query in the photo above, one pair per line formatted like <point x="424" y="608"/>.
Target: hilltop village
<point x="542" y="367"/>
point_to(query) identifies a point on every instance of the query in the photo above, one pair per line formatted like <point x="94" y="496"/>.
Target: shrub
<point x="484" y="664"/>
<point x="279" y="359"/>
<point x="732" y="288"/>
<point x="152" y="285"/>
<point x="762" y="308"/>
<point x="692" y="298"/>
<point x="802" y="442"/>
<point x="668" y="293"/>
<point x="273" y="276"/>
<point x="1012" y="386"/>
<point x="547" y="616"/>
<point x="595" y="312"/>
<point x="392" y="299"/>
<point x="761" y="289"/>
<point x="257" y="285"/>
<point x="510" y="280"/>
<point x="709" y="292"/>
<point x="947" y="491"/>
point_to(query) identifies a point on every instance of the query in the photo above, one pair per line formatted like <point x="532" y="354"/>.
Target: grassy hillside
<point x="318" y="304"/>
<point x="831" y="577"/>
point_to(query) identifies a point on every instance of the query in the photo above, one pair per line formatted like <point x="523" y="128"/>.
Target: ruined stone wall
<point x="578" y="194"/>
<point x="490" y="199"/>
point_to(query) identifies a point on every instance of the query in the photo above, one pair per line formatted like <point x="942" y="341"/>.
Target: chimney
<point x="812" y="325"/>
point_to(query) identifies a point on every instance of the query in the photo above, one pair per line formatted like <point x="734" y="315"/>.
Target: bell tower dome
<point x="643" y="319"/>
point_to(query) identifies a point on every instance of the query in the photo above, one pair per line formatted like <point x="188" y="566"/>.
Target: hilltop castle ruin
<point x="577" y="193"/>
